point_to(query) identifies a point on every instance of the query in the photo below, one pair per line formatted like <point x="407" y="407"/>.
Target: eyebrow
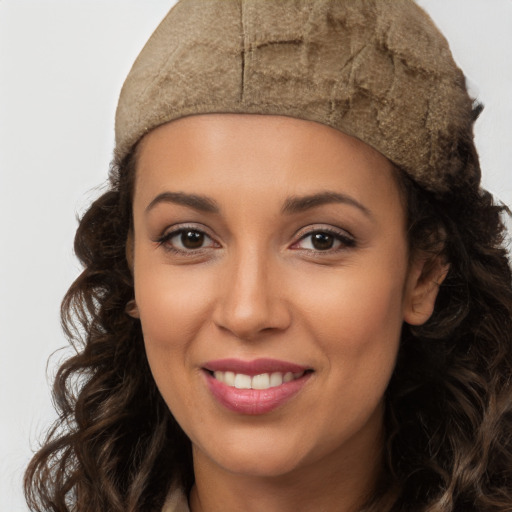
<point x="294" y="204"/>
<point x="201" y="203"/>
<point x="297" y="204"/>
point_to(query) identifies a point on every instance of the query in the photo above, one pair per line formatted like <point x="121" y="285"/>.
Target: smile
<point x="261" y="381"/>
<point x="254" y="387"/>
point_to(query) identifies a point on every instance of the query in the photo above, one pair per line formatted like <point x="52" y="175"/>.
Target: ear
<point x="131" y="307"/>
<point x="426" y="273"/>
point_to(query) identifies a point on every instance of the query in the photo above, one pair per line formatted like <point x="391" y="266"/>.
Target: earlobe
<point x="425" y="278"/>
<point x="132" y="309"/>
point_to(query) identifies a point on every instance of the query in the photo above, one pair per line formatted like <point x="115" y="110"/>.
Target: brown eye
<point x="325" y="241"/>
<point x="187" y="240"/>
<point x="322" y="241"/>
<point x="192" y="239"/>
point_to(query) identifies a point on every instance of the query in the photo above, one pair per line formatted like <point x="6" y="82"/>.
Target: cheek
<point x="357" y="322"/>
<point x="173" y="304"/>
<point x="173" y="308"/>
<point x="359" y="309"/>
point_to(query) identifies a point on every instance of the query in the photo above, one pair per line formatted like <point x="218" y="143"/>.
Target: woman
<point x="295" y="294"/>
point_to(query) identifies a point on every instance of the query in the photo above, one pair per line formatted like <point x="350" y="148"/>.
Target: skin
<point x="258" y="287"/>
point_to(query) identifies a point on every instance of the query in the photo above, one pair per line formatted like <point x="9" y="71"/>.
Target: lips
<point x="254" y="387"/>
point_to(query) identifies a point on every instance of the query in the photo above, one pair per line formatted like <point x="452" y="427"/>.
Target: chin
<point x="262" y="460"/>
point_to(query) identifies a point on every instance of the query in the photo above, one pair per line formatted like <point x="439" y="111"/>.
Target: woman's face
<point x="272" y="279"/>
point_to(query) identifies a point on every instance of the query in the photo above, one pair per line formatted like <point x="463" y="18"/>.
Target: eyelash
<point x="345" y="241"/>
<point x="164" y="240"/>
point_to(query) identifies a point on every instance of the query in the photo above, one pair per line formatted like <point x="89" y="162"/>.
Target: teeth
<point x="276" y="379"/>
<point x="242" y="381"/>
<point x="262" y="381"/>
<point x="288" y="377"/>
<point x="229" y="378"/>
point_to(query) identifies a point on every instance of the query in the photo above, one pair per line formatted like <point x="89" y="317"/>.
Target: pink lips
<point x="254" y="401"/>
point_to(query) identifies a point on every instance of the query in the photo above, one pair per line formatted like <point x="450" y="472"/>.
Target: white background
<point x="62" y="64"/>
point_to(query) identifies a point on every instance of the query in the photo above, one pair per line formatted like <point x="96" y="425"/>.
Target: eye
<point x="187" y="240"/>
<point x="324" y="240"/>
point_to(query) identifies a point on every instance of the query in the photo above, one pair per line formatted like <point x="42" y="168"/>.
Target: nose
<point x="250" y="299"/>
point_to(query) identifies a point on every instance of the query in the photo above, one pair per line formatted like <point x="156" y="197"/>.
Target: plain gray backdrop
<point x="62" y="64"/>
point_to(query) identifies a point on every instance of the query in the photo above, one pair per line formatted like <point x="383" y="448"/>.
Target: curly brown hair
<point x="117" y="448"/>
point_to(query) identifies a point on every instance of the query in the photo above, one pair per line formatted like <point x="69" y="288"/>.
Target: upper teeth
<point x="262" y="381"/>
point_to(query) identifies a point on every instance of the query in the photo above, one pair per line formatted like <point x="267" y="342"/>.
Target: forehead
<point x="237" y="157"/>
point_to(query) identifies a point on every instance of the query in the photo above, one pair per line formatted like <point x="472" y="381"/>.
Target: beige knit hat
<point x="376" y="69"/>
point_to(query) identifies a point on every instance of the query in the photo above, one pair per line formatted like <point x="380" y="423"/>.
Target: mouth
<point x="254" y="387"/>
<point x="260" y="381"/>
